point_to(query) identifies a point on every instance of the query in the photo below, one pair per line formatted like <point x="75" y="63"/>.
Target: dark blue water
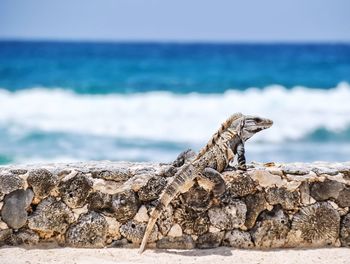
<point x="99" y="68"/>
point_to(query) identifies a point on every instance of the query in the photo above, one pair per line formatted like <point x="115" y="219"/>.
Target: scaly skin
<point x="214" y="158"/>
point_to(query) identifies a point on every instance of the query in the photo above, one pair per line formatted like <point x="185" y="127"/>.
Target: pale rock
<point x="142" y="215"/>
<point x="113" y="228"/>
<point x="175" y="231"/>
<point x="3" y="225"/>
<point x="78" y="211"/>
<point x="213" y="229"/>
<point x="266" y="179"/>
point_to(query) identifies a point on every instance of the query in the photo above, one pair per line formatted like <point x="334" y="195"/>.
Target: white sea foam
<point x="172" y="117"/>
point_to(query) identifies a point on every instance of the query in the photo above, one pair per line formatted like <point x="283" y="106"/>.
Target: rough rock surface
<point x="99" y="204"/>
<point x="89" y="231"/>
<point x="51" y="216"/>
<point x="42" y="181"/>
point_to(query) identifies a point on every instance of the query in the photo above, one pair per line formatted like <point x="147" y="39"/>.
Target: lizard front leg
<point x="241" y="157"/>
<point x="216" y="179"/>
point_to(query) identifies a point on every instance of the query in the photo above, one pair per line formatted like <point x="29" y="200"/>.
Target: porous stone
<point x="238" y="239"/>
<point x="210" y="240"/>
<point x="182" y="242"/>
<point x="256" y="203"/>
<point x="316" y="224"/>
<point x="108" y="211"/>
<point x="119" y="174"/>
<point x="89" y="231"/>
<point x="241" y="185"/>
<point x="322" y="191"/>
<point x="51" y="216"/>
<point x="134" y="231"/>
<point x="287" y="199"/>
<point x="191" y="222"/>
<point x="10" y="182"/>
<point x="42" y="181"/>
<point x="100" y="202"/>
<point x="75" y="190"/>
<point x="197" y="198"/>
<point x="14" y="212"/>
<point x="152" y="189"/>
<point x="325" y="170"/>
<point x="19" y="171"/>
<point x="27" y="237"/>
<point x="345" y="231"/>
<point x="295" y="170"/>
<point x="5" y="236"/>
<point x="124" y="206"/>
<point x="228" y="217"/>
<point x="271" y="230"/>
<point x="343" y="198"/>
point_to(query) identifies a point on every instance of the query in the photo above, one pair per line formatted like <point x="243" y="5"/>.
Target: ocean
<point x="76" y="101"/>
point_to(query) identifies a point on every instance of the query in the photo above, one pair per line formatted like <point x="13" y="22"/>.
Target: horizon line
<point x="170" y="41"/>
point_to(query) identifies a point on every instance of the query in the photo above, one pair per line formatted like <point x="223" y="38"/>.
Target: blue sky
<point x="176" y="20"/>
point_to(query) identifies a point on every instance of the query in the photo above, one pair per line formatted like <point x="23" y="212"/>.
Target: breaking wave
<point x="297" y="113"/>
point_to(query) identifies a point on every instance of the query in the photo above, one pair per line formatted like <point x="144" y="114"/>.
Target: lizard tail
<point x="152" y="221"/>
<point x="186" y="172"/>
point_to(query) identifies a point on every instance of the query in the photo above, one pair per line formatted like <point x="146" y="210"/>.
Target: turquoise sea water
<point x="149" y="101"/>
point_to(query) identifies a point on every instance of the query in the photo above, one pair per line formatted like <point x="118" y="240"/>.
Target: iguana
<point x="214" y="158"/>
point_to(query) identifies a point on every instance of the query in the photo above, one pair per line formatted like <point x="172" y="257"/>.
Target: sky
<point x="177" y="20"/>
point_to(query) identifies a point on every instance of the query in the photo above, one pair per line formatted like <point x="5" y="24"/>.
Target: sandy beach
<point x="218" y="255"/>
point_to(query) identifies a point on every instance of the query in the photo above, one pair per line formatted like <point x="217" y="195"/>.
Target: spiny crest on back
<point x="217" y="135"/>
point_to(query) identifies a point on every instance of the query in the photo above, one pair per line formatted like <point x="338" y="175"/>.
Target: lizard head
<point x="250" y="125"/>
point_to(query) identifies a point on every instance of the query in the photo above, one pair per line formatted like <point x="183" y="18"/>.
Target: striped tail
<point x="185" y="174"/>
<point x="152" y="221"/>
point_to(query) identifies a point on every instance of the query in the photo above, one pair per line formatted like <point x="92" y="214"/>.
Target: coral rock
<point x="89" y="231"/>
<point x="27" y="237"/>
<point x="228" y="217"/>
<point x="118" y="175"/>
<point x="345" y="231"/>
<point x="182" y="242"/>
<point x="196" y="198"/>
<point x="75" y="190"/>
<point x="134" y="231"/>
<point x="241" y="185"/>
<point x="51" y="216"/>
<point x="316" y="224"/>
<point x="124" y="206"/>
<point x="272" y="230"/>
<point x="238" y="239"/>
<point x="287" y="199"/>
<point x="343" y="199"/>
<point x="42" y="181"/>
<point x="322" y="191"/>
<point x="256" y="203"/>
<point x="5" y="236"/>
<point x="10" y="182"/>
<point x="152" y="189"/>
<point x="210" y="240"/>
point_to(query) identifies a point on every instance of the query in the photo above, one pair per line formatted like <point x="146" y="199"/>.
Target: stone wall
<point x="98" y="204"/>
